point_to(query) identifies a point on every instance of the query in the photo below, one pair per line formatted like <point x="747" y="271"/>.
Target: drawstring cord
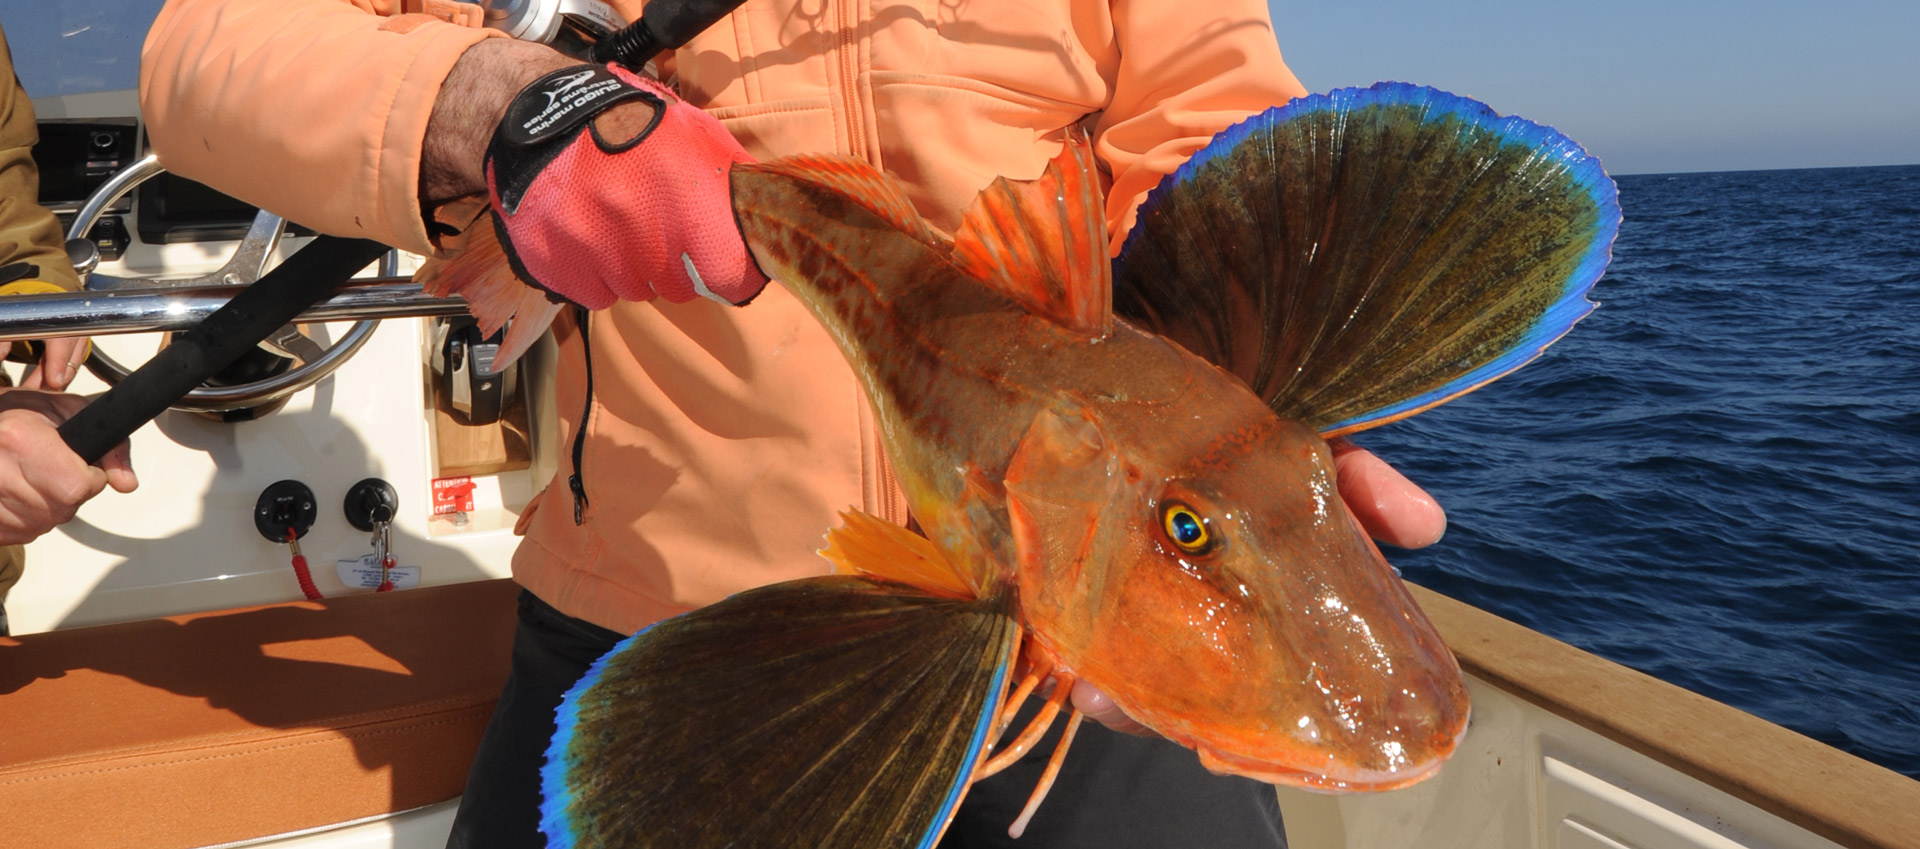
<point x="577" y="481"/>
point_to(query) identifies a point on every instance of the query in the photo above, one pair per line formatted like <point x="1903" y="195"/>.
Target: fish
<point x="1119" y="472"/>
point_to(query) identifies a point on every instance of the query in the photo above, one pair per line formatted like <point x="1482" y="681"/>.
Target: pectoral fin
<point x="831" y="712"/>
<point x="1359" y="256"/>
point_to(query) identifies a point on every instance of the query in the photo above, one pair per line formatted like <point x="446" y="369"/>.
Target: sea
<point x="1715" y="477"/>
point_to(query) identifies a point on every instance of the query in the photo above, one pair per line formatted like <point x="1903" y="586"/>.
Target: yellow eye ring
<point x="1186" y="529"/>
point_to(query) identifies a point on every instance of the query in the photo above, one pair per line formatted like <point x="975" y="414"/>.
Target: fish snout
<point x="1357" y="720"/>
<point x="1417" y="729"/>
<point x="1403" y="744"/>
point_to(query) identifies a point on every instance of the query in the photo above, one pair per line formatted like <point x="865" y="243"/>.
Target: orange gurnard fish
<point x="1121" y="471"/>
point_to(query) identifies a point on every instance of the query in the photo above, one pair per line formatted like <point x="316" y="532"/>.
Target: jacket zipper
<point x="577" y="481"/>
<point x="848" y="51"/>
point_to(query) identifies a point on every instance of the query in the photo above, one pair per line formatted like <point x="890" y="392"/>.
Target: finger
<point x="43" y="499"/>
<point x="23" y="512"/>
<point x="1391" y="508"/>
<point x="60" y="361"/>
<point x="51" y="481"/>
<point x="1100" y="708"/>
<point x="118" y="465"/>
<point x="63" y="479"/>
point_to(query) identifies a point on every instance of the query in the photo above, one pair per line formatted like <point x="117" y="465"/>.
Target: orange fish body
<point x="1052" y="457"/>
<point x="1119" y="465"/>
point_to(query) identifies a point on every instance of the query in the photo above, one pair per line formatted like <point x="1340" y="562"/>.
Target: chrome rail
<point x="112" y="305"/>
<point x="169" y="308"/>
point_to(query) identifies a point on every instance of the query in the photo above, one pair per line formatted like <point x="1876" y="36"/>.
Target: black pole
<point x="278" y="297"/>
<point x="665" y="25"/>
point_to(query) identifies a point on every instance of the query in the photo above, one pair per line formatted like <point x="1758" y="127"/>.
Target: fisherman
<point x="42" y="482"/>
<point x="710" y="446"/>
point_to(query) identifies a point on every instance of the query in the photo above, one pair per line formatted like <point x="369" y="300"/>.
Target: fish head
<point x="1202" y="570"/>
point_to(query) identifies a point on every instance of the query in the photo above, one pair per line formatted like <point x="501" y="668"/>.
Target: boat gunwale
<point x="1803" y="781"/>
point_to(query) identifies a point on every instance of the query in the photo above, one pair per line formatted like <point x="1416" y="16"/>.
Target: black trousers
<point x="1114" y="790"/>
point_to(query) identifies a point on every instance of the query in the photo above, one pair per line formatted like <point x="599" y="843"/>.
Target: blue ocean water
<point x="1715" y="478"/>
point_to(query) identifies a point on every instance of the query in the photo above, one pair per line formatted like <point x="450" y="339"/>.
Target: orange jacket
<point x="722" y="441"/>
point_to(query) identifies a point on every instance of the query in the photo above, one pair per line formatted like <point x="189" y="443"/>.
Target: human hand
<point x="42" y="482"/>
<point x="1391" y="508"/>
<point x="608" y="187"/>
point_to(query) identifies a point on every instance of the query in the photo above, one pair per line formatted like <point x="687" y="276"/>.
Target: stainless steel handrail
<point x="170" y="308"/>
<point x="111" y="305"/>
<point x="175" y="308"/>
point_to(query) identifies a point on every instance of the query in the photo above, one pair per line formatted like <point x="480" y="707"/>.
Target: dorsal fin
<point x="1044" y="242"/>
<point x="865" y="184"/>
<point x="867" y="545"/>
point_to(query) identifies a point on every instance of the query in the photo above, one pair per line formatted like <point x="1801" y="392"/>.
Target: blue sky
<point x="1649" y="87"/>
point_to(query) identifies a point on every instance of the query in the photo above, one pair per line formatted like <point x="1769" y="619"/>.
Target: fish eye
<point x="1186" y="528"/>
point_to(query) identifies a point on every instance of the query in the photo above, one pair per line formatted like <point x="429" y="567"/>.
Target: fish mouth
<point x="1339" y="778"/>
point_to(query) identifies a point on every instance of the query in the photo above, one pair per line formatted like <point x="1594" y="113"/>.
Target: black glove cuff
<point x="548" y="114"/>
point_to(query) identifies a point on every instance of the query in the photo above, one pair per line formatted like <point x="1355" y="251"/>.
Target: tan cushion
<point x="213" y="727"/>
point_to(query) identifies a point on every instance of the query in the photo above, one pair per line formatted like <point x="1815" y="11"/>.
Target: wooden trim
<point x="1801" y="780"/>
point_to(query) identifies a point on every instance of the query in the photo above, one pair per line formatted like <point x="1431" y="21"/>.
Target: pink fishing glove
<point x="607" y="187"/>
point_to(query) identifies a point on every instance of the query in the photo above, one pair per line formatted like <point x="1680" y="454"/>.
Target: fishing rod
<point x="325" y="264"/>
<point x="592" y="30"/>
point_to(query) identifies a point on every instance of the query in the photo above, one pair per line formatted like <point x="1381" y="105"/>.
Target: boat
<point x="168" y="682"/>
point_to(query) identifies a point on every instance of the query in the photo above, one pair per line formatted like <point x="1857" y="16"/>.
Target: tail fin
<point x="1365" y="254"/>
<point x="496" y="297"/>
<point x="830" y="712"/>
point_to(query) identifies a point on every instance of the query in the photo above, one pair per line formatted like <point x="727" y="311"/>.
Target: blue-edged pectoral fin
<point x="1362" y="255"/>
<point x="839" y="711"/>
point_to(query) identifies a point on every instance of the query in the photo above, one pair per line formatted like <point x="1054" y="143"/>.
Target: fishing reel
<point x="572" y="27"/>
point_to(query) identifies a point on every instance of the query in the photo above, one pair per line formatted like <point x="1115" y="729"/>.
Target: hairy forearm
<point x="470" y="106"/>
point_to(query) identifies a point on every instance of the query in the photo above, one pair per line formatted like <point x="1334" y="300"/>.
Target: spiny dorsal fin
<point x="1044" y="242"/>
<point x="868" y="545"/>
<point x="859" y="181"/>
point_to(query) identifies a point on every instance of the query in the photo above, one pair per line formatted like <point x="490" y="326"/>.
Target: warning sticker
<point x="364" y="573"/>
<point x="452" y="495"/>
